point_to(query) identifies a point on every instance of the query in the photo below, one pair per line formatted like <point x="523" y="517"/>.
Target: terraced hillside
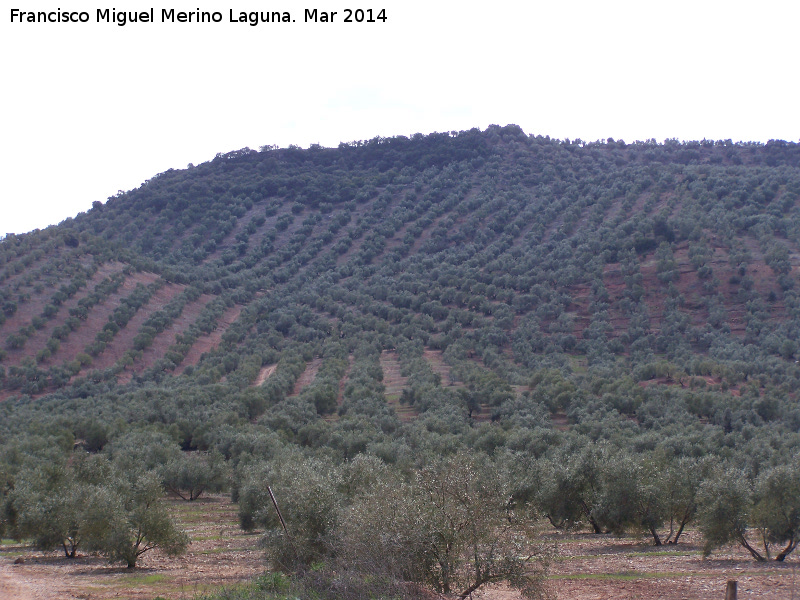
<point x="605" y="333"/>
<point x="488" y="244"/>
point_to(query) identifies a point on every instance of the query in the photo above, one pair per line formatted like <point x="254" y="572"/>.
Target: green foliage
<point x="86" y="503"/>
<point x="131" y="520"/>
<point x="619" y="318"/>
<point x="454" y="528"/>
<point x="190" y="475"/>
<point x="735" y="508"/>
<point x="307" y="494"/>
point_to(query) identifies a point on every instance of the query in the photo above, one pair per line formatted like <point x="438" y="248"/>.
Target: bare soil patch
<point x="614" y="282"/>
<point x="77" y="341"/>
<point x="164" y="340"/>
<point x="264" y="374"/>
<point x="580" y="299"/>
<point x="394" y="383"/>
<point x="210" y="341"/>
<point x="589" y="566"/>
<point x="38" y="340"/>
<point x="30" y="308"/>
<point x="123" y="340"/>
<point x="307" y="376"/>
<point x="435" y="360"/>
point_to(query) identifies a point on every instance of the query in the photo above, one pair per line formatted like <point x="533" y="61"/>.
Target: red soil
<point x="307" y="376"/>
<point x="435" y="360"/>
<point x="123" y="340"/>
<point x="394" y="383"/>
<point x="264" y="374"/>
<point x="208" y="342"/>
<point x="167" y="338"/>
<point x="77" y="341"/>
<point x="38" y="340"/>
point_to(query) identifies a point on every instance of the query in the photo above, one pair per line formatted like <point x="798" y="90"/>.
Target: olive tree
<point x="7" y="511"/>
<point x="130" y="518"/>
<point x="190" y="474"/>
<point x="454" y="528"/>
<point x="757" y="514"/>
<point x="777" y="509"/>
<point x="55" y="503"/>
<point x="306" y="492"/>
<point x="649" y="493"/>
<point x="569" y="486"/>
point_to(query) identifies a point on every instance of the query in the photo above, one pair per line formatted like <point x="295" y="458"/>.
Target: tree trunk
<point x="680" y="531"/>
<point x="590" y="518"/>
<point x="69" y="550"/>
<point x="655" y="536"/>
<point x="594" y="525"/>
<point x="555" y="525"/>
<point x="471" y="589"/>
<point x="786" y="551"/>
<point x="750" y="549"/>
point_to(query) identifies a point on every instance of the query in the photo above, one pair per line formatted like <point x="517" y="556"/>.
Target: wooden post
<point x="730" y="591"/>
<point x="278" y="510"/>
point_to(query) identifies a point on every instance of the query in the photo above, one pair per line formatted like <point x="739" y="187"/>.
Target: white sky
<point x="90" y="109"/>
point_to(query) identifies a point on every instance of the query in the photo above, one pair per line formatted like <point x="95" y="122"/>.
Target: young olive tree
<point x="306" y="491"/>
<point x="190" y="475"/>
<point x="130" y="519"/>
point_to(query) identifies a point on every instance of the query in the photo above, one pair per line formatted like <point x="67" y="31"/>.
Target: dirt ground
<point x="596" y="567"/>
<point x="584" y="567"/>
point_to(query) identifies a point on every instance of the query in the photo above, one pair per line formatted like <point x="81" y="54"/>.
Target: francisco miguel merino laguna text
<point x="170" y="15"/>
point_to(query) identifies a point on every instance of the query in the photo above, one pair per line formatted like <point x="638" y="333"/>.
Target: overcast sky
<point x="93" y="108"/>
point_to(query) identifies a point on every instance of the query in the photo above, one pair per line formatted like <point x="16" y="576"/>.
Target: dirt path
<point x="13" y="587"/>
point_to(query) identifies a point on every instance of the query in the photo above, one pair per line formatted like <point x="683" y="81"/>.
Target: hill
<point x="494" y="245"/>
<point x="564" y="310"/>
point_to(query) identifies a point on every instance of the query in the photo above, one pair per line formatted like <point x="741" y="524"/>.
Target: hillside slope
<point x="503" y="252"/>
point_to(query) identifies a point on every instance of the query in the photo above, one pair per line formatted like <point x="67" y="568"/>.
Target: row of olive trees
<point x="87" y="503"/>
<point x="109" y="502"/>
<point x="616" y="492"/>
<point x="457" y="523"/>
